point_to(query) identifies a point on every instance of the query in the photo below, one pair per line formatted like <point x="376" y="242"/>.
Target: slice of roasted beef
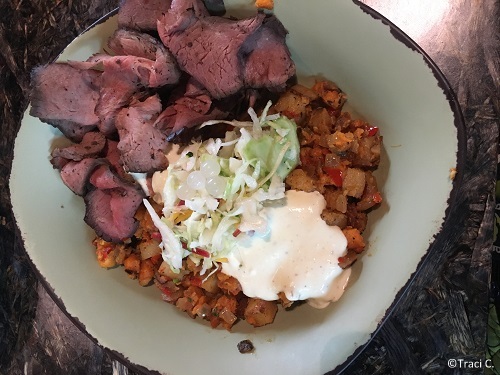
<point x="135" y="43"/>
<point x="163" y="72"/>
<point x="76" y="174"/>
<point x="118" y="86"/>
<point x="127" y="78"/>
<point x="141" y="71"/>
<point x="58" y="162"/>
<point x="65" y="97"/>
<point x="141" y="145"/>
<point x="188" y="106"/>
<point x="111" y="204"/>
<point x="140" y="14"/>
<point x="265" y="57"/>
<point x="205" y="46"/>
<point x="91" y="145"/>
<point x="186" y="113"/>
<point x="112" y="154"/>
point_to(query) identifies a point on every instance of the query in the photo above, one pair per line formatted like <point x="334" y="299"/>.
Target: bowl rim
<point x="460" y="126"/>
<point x="459" y="123"/>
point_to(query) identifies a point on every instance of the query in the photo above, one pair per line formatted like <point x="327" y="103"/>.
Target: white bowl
<point x="391" y="85"/>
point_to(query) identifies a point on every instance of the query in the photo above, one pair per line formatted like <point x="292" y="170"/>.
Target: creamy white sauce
<point x="298" y="256"/>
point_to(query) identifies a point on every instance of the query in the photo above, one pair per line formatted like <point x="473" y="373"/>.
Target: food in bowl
<point x="201" y="236"/>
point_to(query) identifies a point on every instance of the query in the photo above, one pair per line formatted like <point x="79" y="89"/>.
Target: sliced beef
<point x="265" y="57"/>
<point x="186" y="113"/>
<point x="135" y="43"/>
<point x="127" y="78"/>
<point x="181" y="14"/>
<point x="188" y="106"/>
<point x="160" y="71"/>
<point x="76" y="174"/>
<point x="66" y="97"/>
<point x="70" y="129"/>
<point x="91" y="145"/>
<point x="58" y="162"/>
<point x="113" y="157"/>
<point x="205" y="46"/>
<point x="118" y="87"/>
<point x="194" y="88"/>
<point x="141" y="145"/>
<point x="140" y="14"/>
<point x="164" y="71"/>
<point x="111" y="204"/>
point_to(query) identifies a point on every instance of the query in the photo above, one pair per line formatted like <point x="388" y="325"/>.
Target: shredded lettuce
<point x="216" y="190"/>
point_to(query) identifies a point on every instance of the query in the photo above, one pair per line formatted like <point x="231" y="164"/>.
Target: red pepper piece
<point x="236" y="233"/>
<point x="377" y="198"/>
<point x="156" y="259"/>
<point x="201" y="252"/>
<point x="197" y="250"/>
<point x="290" y="114"/>
<point x="195" y="281"/>
<point x="156" y="235"/>
<point x="336" y="175"/>
<point x="105" y="252"/>
<point x="165" y="290"/>
<point x="371" y="130"/>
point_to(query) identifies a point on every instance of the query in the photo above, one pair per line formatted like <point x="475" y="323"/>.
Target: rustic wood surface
<point x="443" y="315"/>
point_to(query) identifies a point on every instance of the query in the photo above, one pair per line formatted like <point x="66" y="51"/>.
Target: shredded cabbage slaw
<point x="216" y="190"/>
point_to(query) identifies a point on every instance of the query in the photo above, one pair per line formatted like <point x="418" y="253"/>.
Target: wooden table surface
<point x="444" y="313"/>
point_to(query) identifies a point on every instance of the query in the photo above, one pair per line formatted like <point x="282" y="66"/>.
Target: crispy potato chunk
<point x="259" y="312"/>
<point x="334" y="218"/>
<point x="354" y="182"/>
<point x="354" y="240"/>
<point x="320" y="121"/>
<point x="210" y="284"/>
<point x="292" y="106"/>
<point x="132" y="265"/>
<point x="225" y="309"/>
<point x="304" y="91"/>
<point x="348" y="259"/>
<point x="105" y="251"/>
<point x="368" y="153"/>
<point x="228" y="283"/>
<point x="299" y="180"/>
<point x="146" y="272"/>
<point x="331" y="94"/>
<point x="335" y="200"/>
<point x="339" y="142"/>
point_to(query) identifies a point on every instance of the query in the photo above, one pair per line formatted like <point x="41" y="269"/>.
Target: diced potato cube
<point x="299" y="180"/>
<point x="354" y="239"/>
<point x="320" y="121"/>
<point x="132" y="264"/>
<point x="259" y="312"/>
<point x="339" y="142"/>
<point x="354" y="182"/>
<point x="334" y="218"/>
